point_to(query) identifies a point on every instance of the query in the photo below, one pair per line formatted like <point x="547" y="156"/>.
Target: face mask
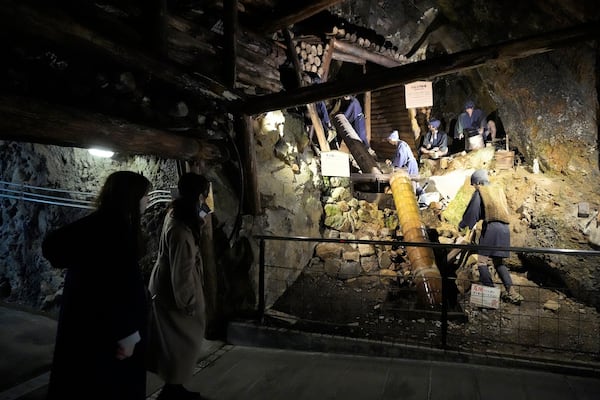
<point x="143" y="204"/>
<point x="204" y="210"/>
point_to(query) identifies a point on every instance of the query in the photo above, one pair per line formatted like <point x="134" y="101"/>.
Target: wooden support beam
<point x="362" y="53"/>
<point x="230" y="24"/>
<point x="251" y="194"/>
<point x="345" y="57"/>
<point x="26" y="120"/>
<point x="256" y="59"/>
<point x="293" y="56"/>
<point x="294" y="12"/>
<point x="318" y="126"/>
<point x="327" y="61"/>
<point x="427" y="69"/>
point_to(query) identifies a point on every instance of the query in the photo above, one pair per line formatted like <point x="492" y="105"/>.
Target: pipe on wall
<point x="425" y="272"/>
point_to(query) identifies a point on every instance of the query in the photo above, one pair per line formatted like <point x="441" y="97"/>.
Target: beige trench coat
<point x="178" y="319"/>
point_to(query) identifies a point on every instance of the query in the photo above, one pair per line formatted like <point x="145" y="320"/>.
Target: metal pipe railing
<point x="568" y="252"/>
<point x="68" y="198"/>
<point x="444" y="310"/>
<point x="261" y="281"/>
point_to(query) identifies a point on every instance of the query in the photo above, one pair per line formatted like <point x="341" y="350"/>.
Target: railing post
<point x="261" y="281"/>
<point x="445" y="310"/>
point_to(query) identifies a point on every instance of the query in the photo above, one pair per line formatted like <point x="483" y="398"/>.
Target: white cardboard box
<point x="485" y="296"/>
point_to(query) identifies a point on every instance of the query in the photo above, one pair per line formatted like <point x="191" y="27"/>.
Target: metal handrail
<point x="62" y="197"/>
<point x="568" y="252"/>
<point x="260" y="312"/>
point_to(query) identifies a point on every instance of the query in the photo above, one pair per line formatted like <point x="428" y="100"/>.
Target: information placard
<point x="335" y="163"/>
<point x="485" y="296"/>
<point x="418" y="94"/>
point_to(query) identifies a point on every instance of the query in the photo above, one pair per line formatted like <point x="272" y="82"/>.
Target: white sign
<point x="418" y="94"/>
<point x="485" y="296"/>
<point x="335" y="163"/>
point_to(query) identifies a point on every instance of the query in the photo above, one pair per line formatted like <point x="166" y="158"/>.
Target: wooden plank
<point x="365" y="54"/>
<point x="251" y="194"/>
<point x="345" y="57"/>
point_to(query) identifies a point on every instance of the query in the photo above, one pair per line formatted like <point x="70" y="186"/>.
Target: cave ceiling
<point x="156" y="77"/>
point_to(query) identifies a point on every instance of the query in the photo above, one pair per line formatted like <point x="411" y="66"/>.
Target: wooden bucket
<point x="475" y="142"/>
<point x="504" y="159"/>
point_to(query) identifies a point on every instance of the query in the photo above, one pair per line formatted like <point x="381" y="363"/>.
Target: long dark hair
<point x="185" y="207"/>
<point x="121" y="195"/>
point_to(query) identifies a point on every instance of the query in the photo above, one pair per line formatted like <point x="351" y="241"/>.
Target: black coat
<point x="104" y="300"/>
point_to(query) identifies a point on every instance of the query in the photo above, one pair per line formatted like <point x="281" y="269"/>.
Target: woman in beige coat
<point x="176" y="285"/>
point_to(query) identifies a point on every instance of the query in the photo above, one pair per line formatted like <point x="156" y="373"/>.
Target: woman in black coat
<point x="101" y="335"/>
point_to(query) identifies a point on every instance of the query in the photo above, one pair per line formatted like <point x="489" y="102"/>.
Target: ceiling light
<point x="101" y="153"/>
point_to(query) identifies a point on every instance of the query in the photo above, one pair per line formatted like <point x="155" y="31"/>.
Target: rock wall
<point x="548" y="105"/>
<point x="290" y="190"/>
<point x="26" y="276"/>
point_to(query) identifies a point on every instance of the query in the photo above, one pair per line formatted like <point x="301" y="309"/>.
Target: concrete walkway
<point x="246" y="372"/>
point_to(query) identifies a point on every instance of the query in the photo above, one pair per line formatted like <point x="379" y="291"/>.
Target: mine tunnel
<point x="297" y="115"/>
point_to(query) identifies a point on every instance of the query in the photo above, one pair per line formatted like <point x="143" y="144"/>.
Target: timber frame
<point x="179" y="71"/>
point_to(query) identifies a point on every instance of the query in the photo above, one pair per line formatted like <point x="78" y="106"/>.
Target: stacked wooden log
<point x="310" y="53"/>
<point x="314" y="54"/>
<point x="257" y="60"/>
<point x="376" y="45"/>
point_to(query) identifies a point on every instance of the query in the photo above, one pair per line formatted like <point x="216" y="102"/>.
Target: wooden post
<point x="252" y="196"/>
<point x="327" y="60"/>
<point x="316" y="121"/>
<point x="293" y="56"/>
<point x="367" y="112"/>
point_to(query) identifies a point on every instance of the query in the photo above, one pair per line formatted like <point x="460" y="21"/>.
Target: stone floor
<point x="237" y="370"/>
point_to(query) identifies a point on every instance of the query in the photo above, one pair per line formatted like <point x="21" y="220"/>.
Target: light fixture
<point x="101" y="153"/>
